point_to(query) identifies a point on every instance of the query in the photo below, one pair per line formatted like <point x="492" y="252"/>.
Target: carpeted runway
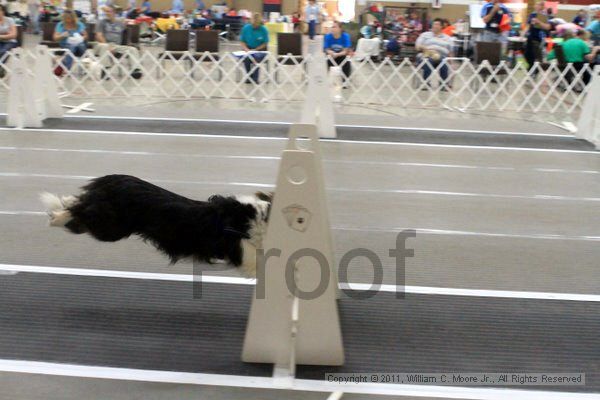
<point x="491" y="212"/>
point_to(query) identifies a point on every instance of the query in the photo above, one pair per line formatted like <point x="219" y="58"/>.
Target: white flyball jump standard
<point x="588" y="126"/>
<point x="294" y="314"/>
<point x="318" y="106"/>
<point x="30" y="101"/>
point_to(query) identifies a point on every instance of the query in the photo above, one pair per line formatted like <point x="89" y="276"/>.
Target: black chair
<point x="133" y="35"/>
<point x="492" y="53"/>
<point x="20" y="30"/>
<point x="90" y="29"/>
<point x="177" y="46"/>
<point x="289" y="50"/>
<point x="48" y="35"/>
<point x="206" y="48"/>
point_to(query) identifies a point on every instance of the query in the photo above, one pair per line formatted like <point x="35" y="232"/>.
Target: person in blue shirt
<point x="537" y="30"/>
<point x="254" y="38"/>
<point x="71" y="34"/>
<point x="337" y="45"/>
<point x="594" y="28"/>
<point x="177" y="7"/>
<point x="200" y="6"/>
<point x="581" y="18"/>
<point x="492" y="14"/>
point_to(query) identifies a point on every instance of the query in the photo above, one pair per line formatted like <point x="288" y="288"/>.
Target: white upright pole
<point x="47" y="91"/>
<point x="22" y="110"/>
<point x="588" y="126"/>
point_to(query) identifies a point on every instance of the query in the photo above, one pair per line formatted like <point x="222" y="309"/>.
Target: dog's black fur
<point x="113" y="207"/>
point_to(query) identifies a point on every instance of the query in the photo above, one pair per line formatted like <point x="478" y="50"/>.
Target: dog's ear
<point x="265" y="196"/>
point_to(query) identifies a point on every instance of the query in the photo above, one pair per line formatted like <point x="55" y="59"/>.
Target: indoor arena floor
<point x="499" y="218"/>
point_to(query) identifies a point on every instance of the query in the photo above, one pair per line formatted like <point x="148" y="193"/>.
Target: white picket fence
<point x="208" y="76"/>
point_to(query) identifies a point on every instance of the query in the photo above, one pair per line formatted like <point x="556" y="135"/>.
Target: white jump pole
<point x="318" y="107"/>
<point x="47" y="91"/>
<point x="297" y="323"/>
<point x="588" y="126"/>
<point x="23" y="111"/>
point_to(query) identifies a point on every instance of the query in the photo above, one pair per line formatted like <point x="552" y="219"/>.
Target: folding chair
<point x="206" y="49"/>
<point x="177" y="46"/>
<point x="492" y="53"/>
<point x="289" y="50"/>
<point x="48" y="35"/>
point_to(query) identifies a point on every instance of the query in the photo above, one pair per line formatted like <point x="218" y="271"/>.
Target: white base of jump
<point x="32" y="99"/>
<point x="294" y="316"/>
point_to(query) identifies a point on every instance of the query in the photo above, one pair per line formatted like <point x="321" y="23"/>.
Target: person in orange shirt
<point x="447" y="28"/>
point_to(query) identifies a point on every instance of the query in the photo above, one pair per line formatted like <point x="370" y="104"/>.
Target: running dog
<point x="113" y="207"/>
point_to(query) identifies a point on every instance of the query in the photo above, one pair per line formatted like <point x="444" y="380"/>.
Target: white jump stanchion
<point x="588" y="126"/>
<point x="23" y="111"/>
<point x="318" y="107"/>
<point x="46" y="92"/>
<point x="294" y="315"/>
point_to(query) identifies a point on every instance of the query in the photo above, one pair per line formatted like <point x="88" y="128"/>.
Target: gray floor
<point x="486" y="218"/>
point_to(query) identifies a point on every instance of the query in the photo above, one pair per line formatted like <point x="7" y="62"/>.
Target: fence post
<point x="588" y="126"/>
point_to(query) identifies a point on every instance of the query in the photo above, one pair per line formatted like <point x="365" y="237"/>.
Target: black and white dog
<point x="113" y="207"/>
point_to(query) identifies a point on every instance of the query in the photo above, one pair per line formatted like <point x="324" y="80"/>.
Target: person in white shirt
<point x="434" y="46"/>
<point x="311" y="17"/>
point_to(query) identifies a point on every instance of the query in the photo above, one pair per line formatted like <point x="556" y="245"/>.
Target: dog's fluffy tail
<point x="57" y="208"/>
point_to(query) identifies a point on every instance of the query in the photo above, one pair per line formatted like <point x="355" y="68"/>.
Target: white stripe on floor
<point x="238" y="137"/>
<point x="332" y="189"/>
<point x="351" y="286"/>
<point x="187" y="378"/>
<point x="276" y="158"/>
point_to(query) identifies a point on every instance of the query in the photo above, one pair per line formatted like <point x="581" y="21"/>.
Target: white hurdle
<point x="294" y="316"/>
<point x="30" y="101"/>
<point x="588" y="126"/>
<point x="318" y="106"/>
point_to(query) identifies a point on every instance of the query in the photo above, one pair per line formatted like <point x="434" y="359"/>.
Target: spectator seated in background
<point x="8" y="34"/>
<point x="415" y="23"/>
<point x="166" y="22"/>
<point x="109" y="35"/>
<point x="71" y="35"/>
<point x="492" y="14"/>
<point x="434" y="46"/>
<point x="337" y="46"/>
<point x="254" y="38"/>
<point x="577" y="52"/>
<point x="201" y="21"/>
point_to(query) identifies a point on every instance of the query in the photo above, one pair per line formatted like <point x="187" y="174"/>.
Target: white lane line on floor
<point x="350" y="286"/>
<point x="420" y="231"/>
<point x="238" y="137"/>
<point x="331" y="189"/>
<point x="309" y="385"/>
<point x="276" y="158"/>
